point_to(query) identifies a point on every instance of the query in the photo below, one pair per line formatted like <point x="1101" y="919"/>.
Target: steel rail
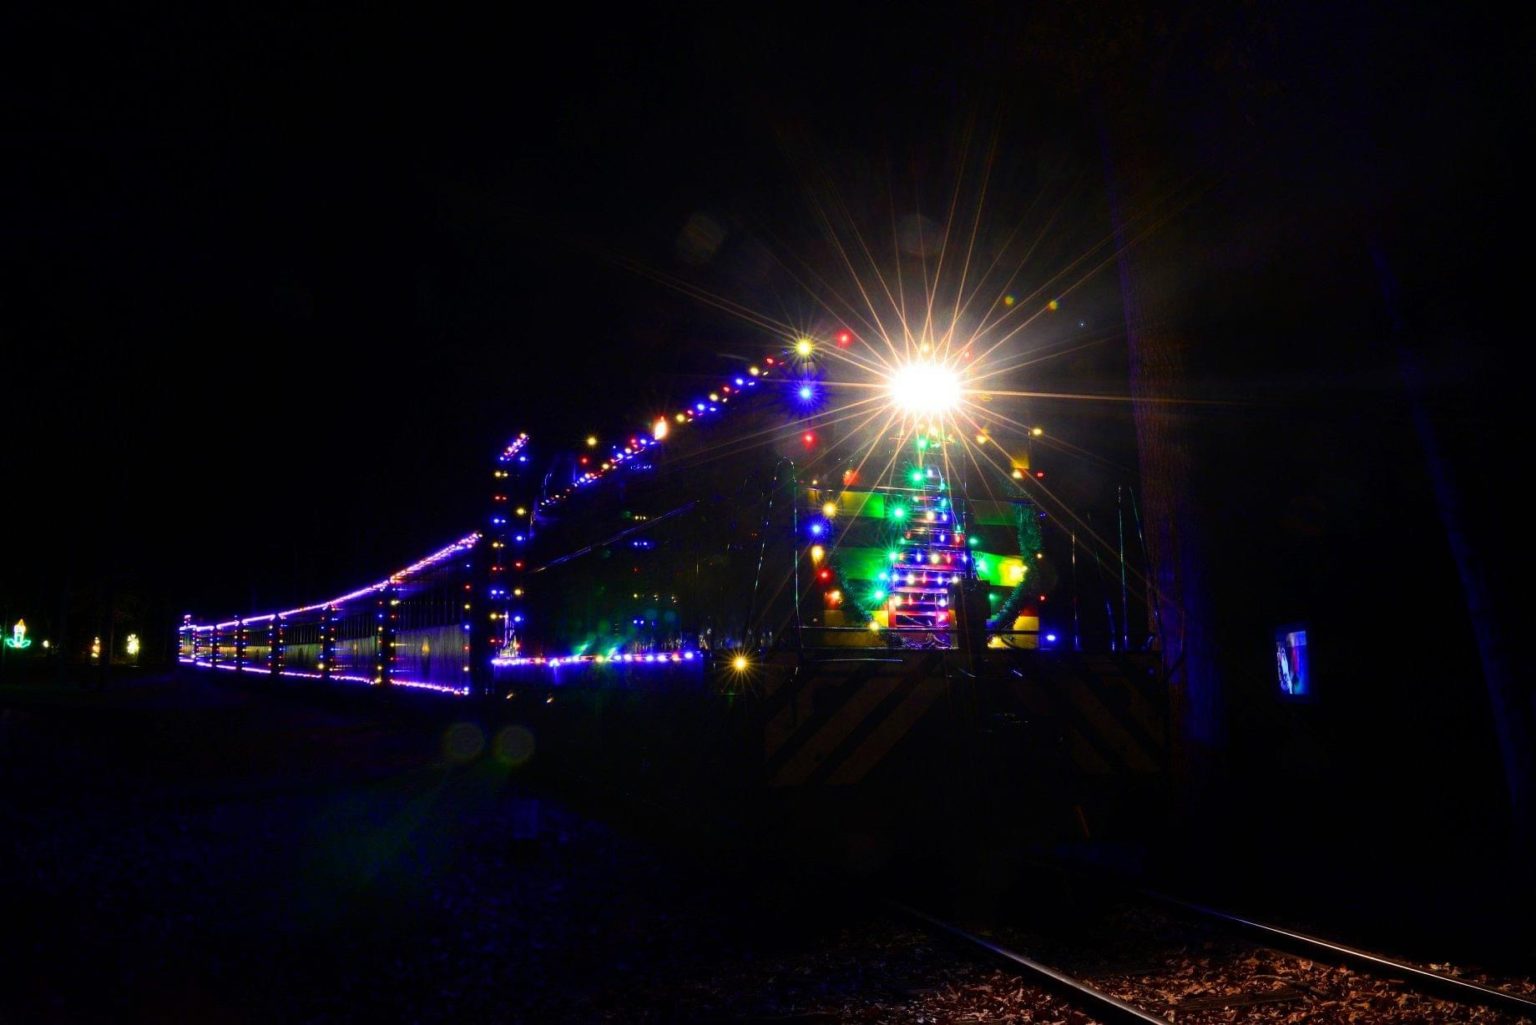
<point x="1448" y="986"/>
<point x="1107" y="1008"/>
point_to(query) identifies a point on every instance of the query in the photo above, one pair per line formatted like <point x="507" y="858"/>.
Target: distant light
<point x="1036" y="431"/>
<point x="132" y="646"/>
<point x="807" y="393"/>
<point x="804" y="347"/>
<point x="817" y="528"/>
<point x="845" y="338"/>
<point x="809" y="438"/>
<point x="817" y="553"/>
<point x="740" y="663"/>
<point x="754" y="371"/>
<point x="660" y="429"/>
<point x="898" y="513"/>
<point x="1050" y="638"/>
<point x="829" y="509"/>
<point x="591" y="441"/>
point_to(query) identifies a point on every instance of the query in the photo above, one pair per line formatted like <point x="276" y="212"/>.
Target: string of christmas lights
<point x="914" y="591"/>
<point x="661" y="428"/>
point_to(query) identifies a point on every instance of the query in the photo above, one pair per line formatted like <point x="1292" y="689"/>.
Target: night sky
<point x="276" y="284"/>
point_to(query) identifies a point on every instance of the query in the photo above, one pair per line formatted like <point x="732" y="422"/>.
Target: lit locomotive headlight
<point x="924" y="388"/>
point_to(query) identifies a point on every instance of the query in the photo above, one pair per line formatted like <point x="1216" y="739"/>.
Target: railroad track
<point x="1194" y="963"/>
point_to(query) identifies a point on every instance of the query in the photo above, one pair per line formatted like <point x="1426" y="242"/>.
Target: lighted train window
<point x="1293" y="670"/>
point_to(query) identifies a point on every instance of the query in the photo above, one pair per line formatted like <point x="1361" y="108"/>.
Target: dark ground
<point x="186" y="850"/>
<point x="189" y="848"/>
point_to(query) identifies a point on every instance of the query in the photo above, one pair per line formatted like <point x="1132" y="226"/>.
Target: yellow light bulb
<point x="817" y="553"/>
<point x="804" y="347"/>
<point x="829" y="510"/>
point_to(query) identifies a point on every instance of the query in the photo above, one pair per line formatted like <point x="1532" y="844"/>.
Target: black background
<point x="424" y="224"/>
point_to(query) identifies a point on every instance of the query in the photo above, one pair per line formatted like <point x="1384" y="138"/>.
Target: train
<point x="856" y="602"/>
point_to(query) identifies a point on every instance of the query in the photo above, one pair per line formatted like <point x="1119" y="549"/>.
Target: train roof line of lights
<point x="663" y="426"/>
<point x="617" y="658"/>
<point x="463" y="544"/>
